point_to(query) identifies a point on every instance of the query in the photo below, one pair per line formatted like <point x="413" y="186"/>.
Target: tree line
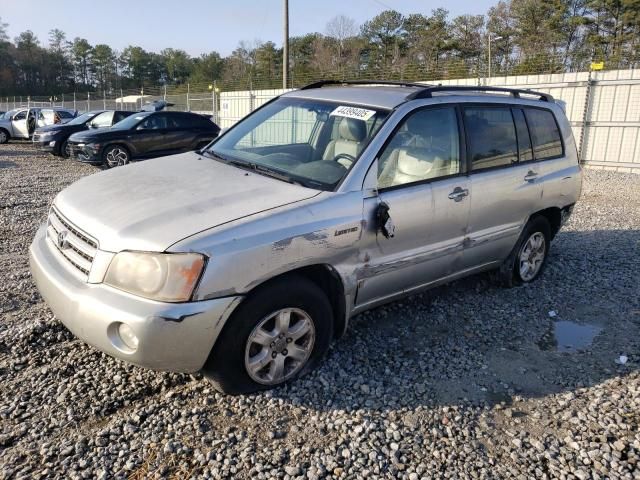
<point x="525" y="36"/>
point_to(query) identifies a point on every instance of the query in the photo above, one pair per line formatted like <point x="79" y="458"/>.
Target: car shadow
<point x="475" y="342"/>
<point x="7" y="164"/>
<point x="16" y="153"/>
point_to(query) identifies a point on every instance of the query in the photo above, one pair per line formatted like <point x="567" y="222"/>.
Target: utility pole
<point x="491" y="39"/>
<point x="285" y="47"/>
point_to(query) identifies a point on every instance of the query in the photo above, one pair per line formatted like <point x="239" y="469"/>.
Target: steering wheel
<point x="348" y="160"/>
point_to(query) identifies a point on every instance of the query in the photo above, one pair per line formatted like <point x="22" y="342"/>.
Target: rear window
<point x="492" y="137"/>
<point x="545" y="135"/>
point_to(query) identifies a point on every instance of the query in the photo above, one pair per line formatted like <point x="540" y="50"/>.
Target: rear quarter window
<point x="547" y="142"/>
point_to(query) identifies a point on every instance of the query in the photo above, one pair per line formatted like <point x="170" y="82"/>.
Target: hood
<point x="60" y="127"/>
<point x="96" y="134"/>
<point x="153" y="204"/>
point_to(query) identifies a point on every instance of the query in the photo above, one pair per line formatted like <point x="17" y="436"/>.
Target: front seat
<point x="351" y="135"/>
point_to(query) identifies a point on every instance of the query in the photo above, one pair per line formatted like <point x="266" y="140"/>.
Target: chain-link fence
<point x="603" y="107"/>
<point x="206" y="97"/>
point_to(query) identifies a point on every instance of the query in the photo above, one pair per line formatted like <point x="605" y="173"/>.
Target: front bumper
<point x="83" y="153"/>
<point x="46" y="144"/>
<point x="173" y="337"/>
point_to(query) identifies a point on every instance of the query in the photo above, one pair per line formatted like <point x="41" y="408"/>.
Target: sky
<point x="199" y="26"/>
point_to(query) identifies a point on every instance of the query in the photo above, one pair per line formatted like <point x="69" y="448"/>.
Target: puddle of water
<point x="569" y="337"/>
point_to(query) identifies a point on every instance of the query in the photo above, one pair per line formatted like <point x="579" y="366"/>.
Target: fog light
<point x="52" y="144"/>
<point x="127" y="336"/>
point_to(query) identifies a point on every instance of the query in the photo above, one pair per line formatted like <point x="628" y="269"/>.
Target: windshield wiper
<point x="261" y="169"/>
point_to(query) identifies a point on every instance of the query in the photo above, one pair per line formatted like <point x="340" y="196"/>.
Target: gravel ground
<point x="461" y="382"/>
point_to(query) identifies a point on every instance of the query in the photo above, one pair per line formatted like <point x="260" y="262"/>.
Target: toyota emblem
<point x="62" y="240"/>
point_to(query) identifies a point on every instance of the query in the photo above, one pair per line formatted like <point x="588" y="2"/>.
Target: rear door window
<point x="491" y="134"/>
<point x="545" y="135"/>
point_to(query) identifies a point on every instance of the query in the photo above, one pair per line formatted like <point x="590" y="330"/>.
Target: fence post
<point x="586" y="118"/>
<point x="188" y="102"/>
<point x="62" y="100"/>
<point x="14" y="101"/>
<point x="165" y="93"/>
<point x="121" y="100"/>
<point x="104" y="99"/>
<point x="215" y="102"/>
<point x="74" y="101"/>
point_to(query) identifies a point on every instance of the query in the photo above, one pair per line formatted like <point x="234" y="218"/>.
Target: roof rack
<point x="326" y="83"/>
<point x="429" y="90"/>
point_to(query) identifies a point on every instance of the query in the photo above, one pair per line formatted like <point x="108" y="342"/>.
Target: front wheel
<point x="65" y="149"/>
<point x="278" y="333"/>
<point x="115" y="156"/>
<point x="4" y="136"/>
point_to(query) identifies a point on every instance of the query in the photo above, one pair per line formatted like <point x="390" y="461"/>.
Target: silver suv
<point x="246" y="259"/>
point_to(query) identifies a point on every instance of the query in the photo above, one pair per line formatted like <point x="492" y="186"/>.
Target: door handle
<point x="530" y="176"/>
<point x="458" y="194"/>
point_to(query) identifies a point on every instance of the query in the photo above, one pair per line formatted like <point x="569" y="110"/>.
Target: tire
<point x="64" y="152"/>
<point x="529" y="257"/>
<point x="115" y="156"/>
<point x="228" y="367"/>
<point x="4" y="136"/>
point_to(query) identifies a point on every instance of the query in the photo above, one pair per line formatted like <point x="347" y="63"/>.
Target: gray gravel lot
<point x="461" y="382"/>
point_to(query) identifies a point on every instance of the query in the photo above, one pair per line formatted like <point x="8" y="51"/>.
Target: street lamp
<point x="491" y="39"/>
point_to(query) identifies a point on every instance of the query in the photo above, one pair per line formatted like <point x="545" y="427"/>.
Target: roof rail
<point x="429" y="90"/>
<point x="325" y="83"/>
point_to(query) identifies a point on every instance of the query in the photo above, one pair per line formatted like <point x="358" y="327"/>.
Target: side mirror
<point x="384" y="224"/>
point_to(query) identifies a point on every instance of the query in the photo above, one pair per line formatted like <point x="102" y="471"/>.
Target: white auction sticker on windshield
<point x="353" y="112"/>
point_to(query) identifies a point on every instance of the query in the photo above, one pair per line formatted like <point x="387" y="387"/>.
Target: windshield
<point x="9" y="114"/>
<point x="310" y="142"/>
<point x="130" y="121"/>
<point x="85" y="117"/>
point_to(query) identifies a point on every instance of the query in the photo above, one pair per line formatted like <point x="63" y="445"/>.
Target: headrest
<point x="352" y="129"/>
<point x="414" y="162"/>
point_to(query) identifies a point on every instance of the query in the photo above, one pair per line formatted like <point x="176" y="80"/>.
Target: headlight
<point x="92" y="146"/>
<point x="166" y="277"/>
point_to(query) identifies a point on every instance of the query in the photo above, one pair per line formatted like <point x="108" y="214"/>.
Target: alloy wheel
<point x="117" y="157"/>
<point x="532" y="256"/>
<point x="279" y="346"/>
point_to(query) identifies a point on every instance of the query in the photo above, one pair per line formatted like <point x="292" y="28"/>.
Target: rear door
<point x="423" y="182"/>
<point x="504" y="181"/>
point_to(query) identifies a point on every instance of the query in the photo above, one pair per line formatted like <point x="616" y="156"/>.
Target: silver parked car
<point x="246" y="259"/>
<point x="22" y="122"/>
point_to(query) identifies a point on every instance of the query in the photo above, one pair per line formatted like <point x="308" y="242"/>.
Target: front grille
<point x="75" y="246"/>
<point x="36" y="137"/>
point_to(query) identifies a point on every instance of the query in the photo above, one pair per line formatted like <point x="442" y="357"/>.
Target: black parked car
<point x="54" y="138"/>
<point x="144" y="135"/>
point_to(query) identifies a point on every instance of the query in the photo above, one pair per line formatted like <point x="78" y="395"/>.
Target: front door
<point x="422" y="181"/>
<point x="19" y="124"/>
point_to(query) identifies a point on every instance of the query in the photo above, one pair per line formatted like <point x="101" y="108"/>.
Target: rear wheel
<point x="278" y="333"/>
<point x="115" y="156"/>
<point x="529" y="257"/>
<point x="4" y="136"/>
